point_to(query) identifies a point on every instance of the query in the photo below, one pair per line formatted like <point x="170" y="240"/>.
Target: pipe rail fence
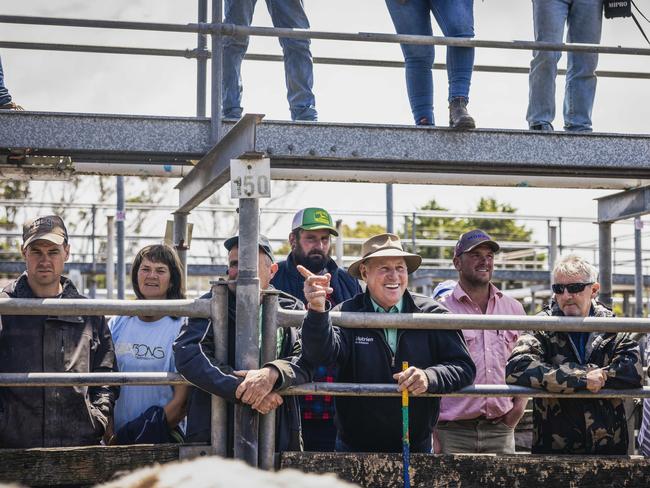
<point x="272" y="317"/>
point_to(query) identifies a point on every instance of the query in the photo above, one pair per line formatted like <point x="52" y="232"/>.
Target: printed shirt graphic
<point x="143" y="347"/>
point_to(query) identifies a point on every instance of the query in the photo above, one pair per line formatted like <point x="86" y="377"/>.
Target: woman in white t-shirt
<point x="150" y="414"/>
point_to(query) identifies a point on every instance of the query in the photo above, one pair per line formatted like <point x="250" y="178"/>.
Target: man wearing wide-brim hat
<point x="439" y="360"/>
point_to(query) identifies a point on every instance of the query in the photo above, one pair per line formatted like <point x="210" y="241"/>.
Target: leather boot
<point x="459" y="118"/>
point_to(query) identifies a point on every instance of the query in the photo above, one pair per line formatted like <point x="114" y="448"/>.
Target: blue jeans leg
<point x="584" y="25"/>
<point x="298" y="65"/>
<point x="239" y="12"/>
<point x="4" y="93"/>
<point x="414" y="17"/>
<point x="456" y="19"/>
<point x="549" y="17"/>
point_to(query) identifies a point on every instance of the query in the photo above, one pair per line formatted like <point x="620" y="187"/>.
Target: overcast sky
<point x="104" y="83"/>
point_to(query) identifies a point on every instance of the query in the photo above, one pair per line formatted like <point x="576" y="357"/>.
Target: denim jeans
<point x="4" y="93"/>
<point x="298" y="66"/>
<point x="456" y="19"/>
<point x="584" y="21"/>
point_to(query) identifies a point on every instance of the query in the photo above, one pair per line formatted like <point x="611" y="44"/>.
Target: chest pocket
<point x="77" y="343"/>
<point x="507" y="341"/>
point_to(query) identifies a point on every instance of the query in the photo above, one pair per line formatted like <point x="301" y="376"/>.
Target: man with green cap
<point x="310" y="240"/>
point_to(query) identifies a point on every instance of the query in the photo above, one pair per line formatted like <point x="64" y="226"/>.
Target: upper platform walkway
<point x="335" y="151"/>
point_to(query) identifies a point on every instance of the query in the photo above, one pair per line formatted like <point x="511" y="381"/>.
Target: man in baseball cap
<point x="310" y="241"/>
<point x="474" y="424"/>
<point x="50" y="228"/>
<point x="474" y="238"/>
<point x="53" y="417"/>
<point x="253" y="387"/>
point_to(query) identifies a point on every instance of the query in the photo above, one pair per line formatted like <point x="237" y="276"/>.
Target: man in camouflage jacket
<point x="566" y="362"/>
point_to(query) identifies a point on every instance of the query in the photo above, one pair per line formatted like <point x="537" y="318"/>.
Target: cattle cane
<point x="405" y="432"/>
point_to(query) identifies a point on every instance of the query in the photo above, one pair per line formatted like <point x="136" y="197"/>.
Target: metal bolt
<point x="290" y="147"/>
<point x="249" y="166"/>
<point x="312" y="152"/>
<point x="333" y="148"/>
<point x="355" y="153"/>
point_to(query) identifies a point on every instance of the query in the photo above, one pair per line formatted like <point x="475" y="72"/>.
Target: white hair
<point x="576" y="267"/>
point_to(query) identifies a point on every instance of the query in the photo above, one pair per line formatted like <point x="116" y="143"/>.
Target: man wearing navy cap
<point x="473" y="424"/>
<point x="194" y="354"/>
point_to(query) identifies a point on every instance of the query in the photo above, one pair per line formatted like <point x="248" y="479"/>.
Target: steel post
<point x="247" y="339"/>
<point x="552" y="248"/>
<point x="110" y="262"/>
<point x="605" y="262"/>
<point x="180" y="239"/>
<point x="638" y="268"/>
<point x="92" y="288"/>
<point x="120" y="217"/>
<point x="201" y="62"/>
<point x="389" y="208"/>
<point x="339" y="243"/>
<point x="268" y="354"/>
<point x="217" y="73"/>
<point x="219" y="318"/>
<point x="414" y="248"/>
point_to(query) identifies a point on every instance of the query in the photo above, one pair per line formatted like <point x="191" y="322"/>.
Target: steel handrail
<point x="426" y="321"/>
<point x="239" y="30"/>
<point x="51" y="380"/>
<point x="83" y="306"/>
<point x="356" y="320"/>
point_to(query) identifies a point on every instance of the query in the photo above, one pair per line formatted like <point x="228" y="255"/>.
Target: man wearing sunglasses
<point x="565" y="362"/>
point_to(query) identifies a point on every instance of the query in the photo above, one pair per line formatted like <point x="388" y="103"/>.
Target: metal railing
<point x="216" y="310"/>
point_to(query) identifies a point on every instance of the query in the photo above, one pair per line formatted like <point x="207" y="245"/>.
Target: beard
<point x="315" y="260"/>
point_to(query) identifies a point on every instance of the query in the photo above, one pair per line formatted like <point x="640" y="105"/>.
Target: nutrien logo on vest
<point x="363" y="340"/>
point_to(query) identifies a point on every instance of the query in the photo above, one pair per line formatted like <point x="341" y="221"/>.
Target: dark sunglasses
<point x="571" y="287"/>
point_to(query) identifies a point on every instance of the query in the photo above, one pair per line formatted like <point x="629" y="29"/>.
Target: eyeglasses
<point x="570" y="287"/>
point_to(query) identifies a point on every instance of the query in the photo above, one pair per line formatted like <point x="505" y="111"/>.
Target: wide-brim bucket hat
<point x="385" y="245"/>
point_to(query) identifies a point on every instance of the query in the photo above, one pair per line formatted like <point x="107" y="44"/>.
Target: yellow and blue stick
<point x="406" y="445"/>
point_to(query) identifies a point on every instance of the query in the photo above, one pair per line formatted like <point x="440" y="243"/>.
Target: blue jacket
<point x="194" y="350"/>
<point x="290" y="281"/>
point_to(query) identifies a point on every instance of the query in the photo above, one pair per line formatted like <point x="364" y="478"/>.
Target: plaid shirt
<point x="320" y="407"/>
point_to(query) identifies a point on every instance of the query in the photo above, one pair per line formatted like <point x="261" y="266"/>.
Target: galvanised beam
<point x="114" y="138"/>
<point x="439" y="274"/>
<point x="421" y="275"/>
<point x="364" y="150"/>
<point x="625" y="205"/>
<point x="347" y="152"/>
<point x="17" y="267"/>
<point x="213" y="170"/>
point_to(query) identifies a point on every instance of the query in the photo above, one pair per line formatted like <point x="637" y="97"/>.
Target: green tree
<point x="12" y="190"/>
<point x="361" y="230"/>
<point x="449" y="228"/>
